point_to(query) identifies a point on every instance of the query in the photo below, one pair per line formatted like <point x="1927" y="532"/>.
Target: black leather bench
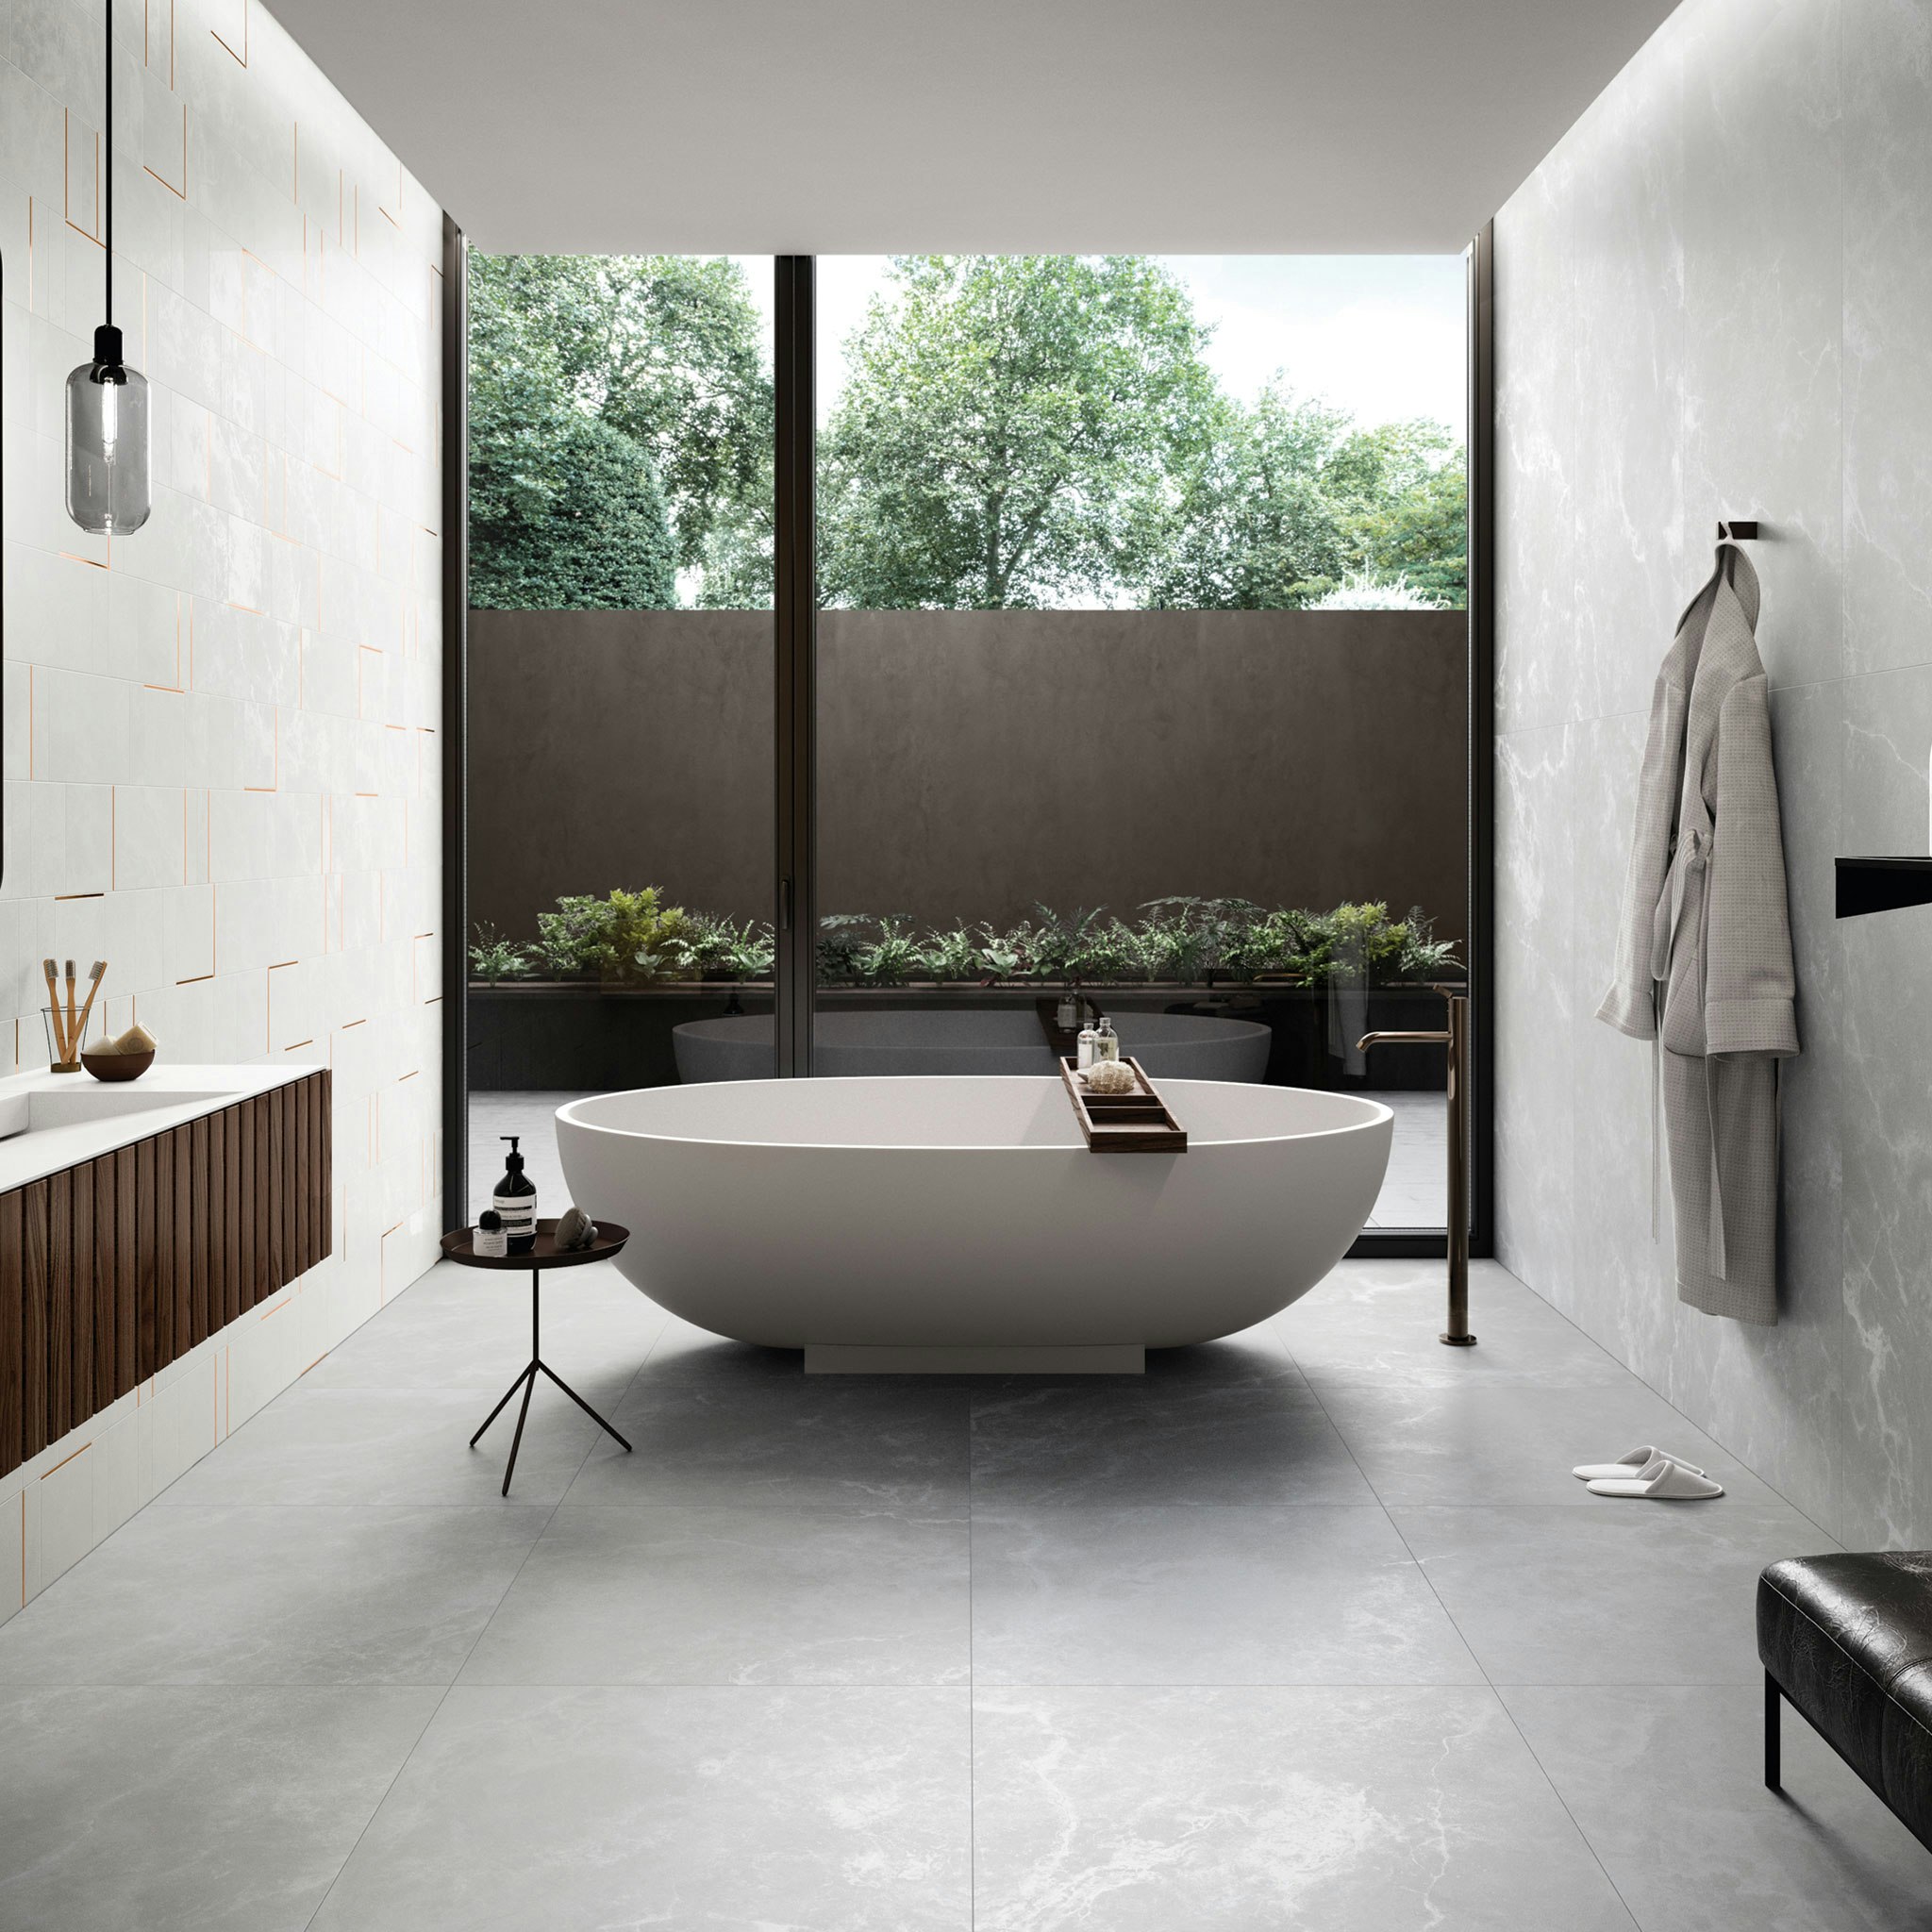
<point x="1847" y="1641"/>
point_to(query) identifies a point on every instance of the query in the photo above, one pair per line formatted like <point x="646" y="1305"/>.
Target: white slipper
<point x="1660" y="1481"/>
<point x="1626" y="1468"/>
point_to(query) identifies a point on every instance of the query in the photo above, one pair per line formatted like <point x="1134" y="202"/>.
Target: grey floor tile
<point x="1623" y="1592"/>
<point x="390" y="1445"/>
<point x="1708" y="1848"/>
<point x="215" y="1809"/>
<point x="1235" y="1810"/>
<point x="531" y="1115"/>
<point x="748" y="1425"/>
<point x="232" y="1594"/>
<point x="1215" y="1424"/>
<point x="527" y="1810"/>
<point x="1314" y="1594"/>
<point x="1489" y="1441"/>
<point x="1377" y="1322"/>
<point x="734" y="1595"/>
<point x="470" y="1328"/>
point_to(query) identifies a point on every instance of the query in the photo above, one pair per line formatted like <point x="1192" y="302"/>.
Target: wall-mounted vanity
<point x="138" y="1218"/>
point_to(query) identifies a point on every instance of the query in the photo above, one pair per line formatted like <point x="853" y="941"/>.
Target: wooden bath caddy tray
<point x="1136" y="1123"/>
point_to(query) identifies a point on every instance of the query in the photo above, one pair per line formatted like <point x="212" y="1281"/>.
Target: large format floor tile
<point x="1313" y="1594"/>
<point x="734" y="1595"/>
<point x="469" y="1328"/>
<point x="212" y="1809"/>
<point x="1379" y="1322"/>
<point x="1234" y="1810"/>
<point x="391" y="1445"/>
<point x="1707" y="1848"/>
<point x="727" y="1424"/>
<point x="232" y="1595"/>
<point x="1215" y="1426"/>
<point x="1489" y="1441"/>
<point x="1227" y="1625"/>
<point x="1631" y="1594"/>
<point x="527" y="1810"/>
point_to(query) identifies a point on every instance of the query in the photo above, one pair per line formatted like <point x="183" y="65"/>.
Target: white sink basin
<point x="71" y="1106"/>
<point x="50" y="1122"/>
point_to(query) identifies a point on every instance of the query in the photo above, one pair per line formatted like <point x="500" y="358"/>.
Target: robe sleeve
<point x="1630" y="1005"/>
<point x="1749" y="982"/>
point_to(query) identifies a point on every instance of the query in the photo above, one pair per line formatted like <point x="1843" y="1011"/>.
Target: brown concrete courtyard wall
<point x="972" y="763"/>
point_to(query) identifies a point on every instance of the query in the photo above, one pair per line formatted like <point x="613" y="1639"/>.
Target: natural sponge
<point x="1110" y="1076"/>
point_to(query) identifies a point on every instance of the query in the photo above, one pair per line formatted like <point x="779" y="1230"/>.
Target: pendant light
<point x="110" y="481"/>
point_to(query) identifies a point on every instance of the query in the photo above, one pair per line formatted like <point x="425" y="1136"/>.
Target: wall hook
<point x="1736" y="531"/>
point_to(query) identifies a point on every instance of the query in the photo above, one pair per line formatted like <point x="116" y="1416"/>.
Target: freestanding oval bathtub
<point x="963" y="1224"/>
<point x="968" y="1039"/>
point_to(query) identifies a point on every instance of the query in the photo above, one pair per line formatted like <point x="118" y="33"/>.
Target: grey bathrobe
<point x="1704" y="952"/>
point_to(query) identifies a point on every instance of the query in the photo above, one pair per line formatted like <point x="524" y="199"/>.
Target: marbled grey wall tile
<point x="1627" y="163"/>
<point x="1617" y="1282"/>
<point x="1888" y="375"/>
<point x="1731" y="250"/>
<point x="1536" y="440"/>
<point x="1886" y="1122"/>
<point x="1535" y="992"/>
<point x="1763" y="280"/>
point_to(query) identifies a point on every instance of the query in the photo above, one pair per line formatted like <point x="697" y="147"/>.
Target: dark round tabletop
<point x="547" y="1254"/>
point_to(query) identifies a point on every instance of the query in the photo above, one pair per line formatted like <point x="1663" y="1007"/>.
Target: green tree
<point x="1008" y="433"/>
<point x="621" y="418"/>
<point x="599" y="540"/>
<point x="1257" y="525"/>
<point x="1422" y="535"/>
<point x="1289" y="499"/>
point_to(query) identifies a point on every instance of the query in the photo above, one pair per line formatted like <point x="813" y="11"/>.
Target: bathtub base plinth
<point x="1092" y="1358"/>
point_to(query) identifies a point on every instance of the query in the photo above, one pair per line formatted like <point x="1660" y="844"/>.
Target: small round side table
<point x="457" y="1247"/>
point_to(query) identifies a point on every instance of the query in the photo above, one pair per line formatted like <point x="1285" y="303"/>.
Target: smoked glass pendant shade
<point x="109" y="470"/>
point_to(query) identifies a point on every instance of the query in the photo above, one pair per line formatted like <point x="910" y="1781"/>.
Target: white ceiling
<point x="865" y="127"/>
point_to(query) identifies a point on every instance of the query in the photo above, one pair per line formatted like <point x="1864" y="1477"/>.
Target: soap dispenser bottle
<point x="515" y="1200"/>
<point x="1106" y="1042"/>
<point x="1083" y="1056"/>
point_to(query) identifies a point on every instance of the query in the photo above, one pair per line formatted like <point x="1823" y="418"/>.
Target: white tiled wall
<point x="221" y="758"/>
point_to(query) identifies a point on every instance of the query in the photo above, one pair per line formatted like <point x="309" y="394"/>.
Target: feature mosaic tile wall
<point x="1711" y="301"/>
<point x="221" y="765"/>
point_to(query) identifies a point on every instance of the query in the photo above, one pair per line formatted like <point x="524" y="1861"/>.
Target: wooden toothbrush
<point x="54" y="1008"/>
<point x="80" y="1037"/>
<point x="73" y="1038"/>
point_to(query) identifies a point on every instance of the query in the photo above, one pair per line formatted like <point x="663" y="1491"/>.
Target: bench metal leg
<point x="1773" y="1704"/>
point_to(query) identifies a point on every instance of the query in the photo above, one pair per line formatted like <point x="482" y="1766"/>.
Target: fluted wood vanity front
<point x="112" y="1266"/>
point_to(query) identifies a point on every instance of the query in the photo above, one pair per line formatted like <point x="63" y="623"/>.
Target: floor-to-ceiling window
<point x="1142" y="667"/>
<point x="1141" y="664"/>
<point x="620" y="700"/>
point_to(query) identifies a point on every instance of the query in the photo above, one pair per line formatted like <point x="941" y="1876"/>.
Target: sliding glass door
<point x="1140" y="670"/>
<point x="621" y="710"/>
<point x="877" y="663"/>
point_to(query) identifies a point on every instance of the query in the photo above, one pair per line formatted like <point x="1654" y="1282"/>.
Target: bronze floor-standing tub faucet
<point x="1456" y="1037"/>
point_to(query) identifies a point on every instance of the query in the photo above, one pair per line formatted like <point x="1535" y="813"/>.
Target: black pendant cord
<point x="107" y="166"/>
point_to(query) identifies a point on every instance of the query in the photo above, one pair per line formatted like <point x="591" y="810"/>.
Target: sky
<point x="1378" y="335"/>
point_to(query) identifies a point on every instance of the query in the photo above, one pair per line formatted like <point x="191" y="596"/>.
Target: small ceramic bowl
<point x="117" y="1066"/>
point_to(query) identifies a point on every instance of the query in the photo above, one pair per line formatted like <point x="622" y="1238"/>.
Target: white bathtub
<point x="962" y="1224"/>
<point x="965" y="1039"/>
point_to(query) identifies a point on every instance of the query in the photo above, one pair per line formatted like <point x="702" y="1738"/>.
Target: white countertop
<point x="56" y="1120"/>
